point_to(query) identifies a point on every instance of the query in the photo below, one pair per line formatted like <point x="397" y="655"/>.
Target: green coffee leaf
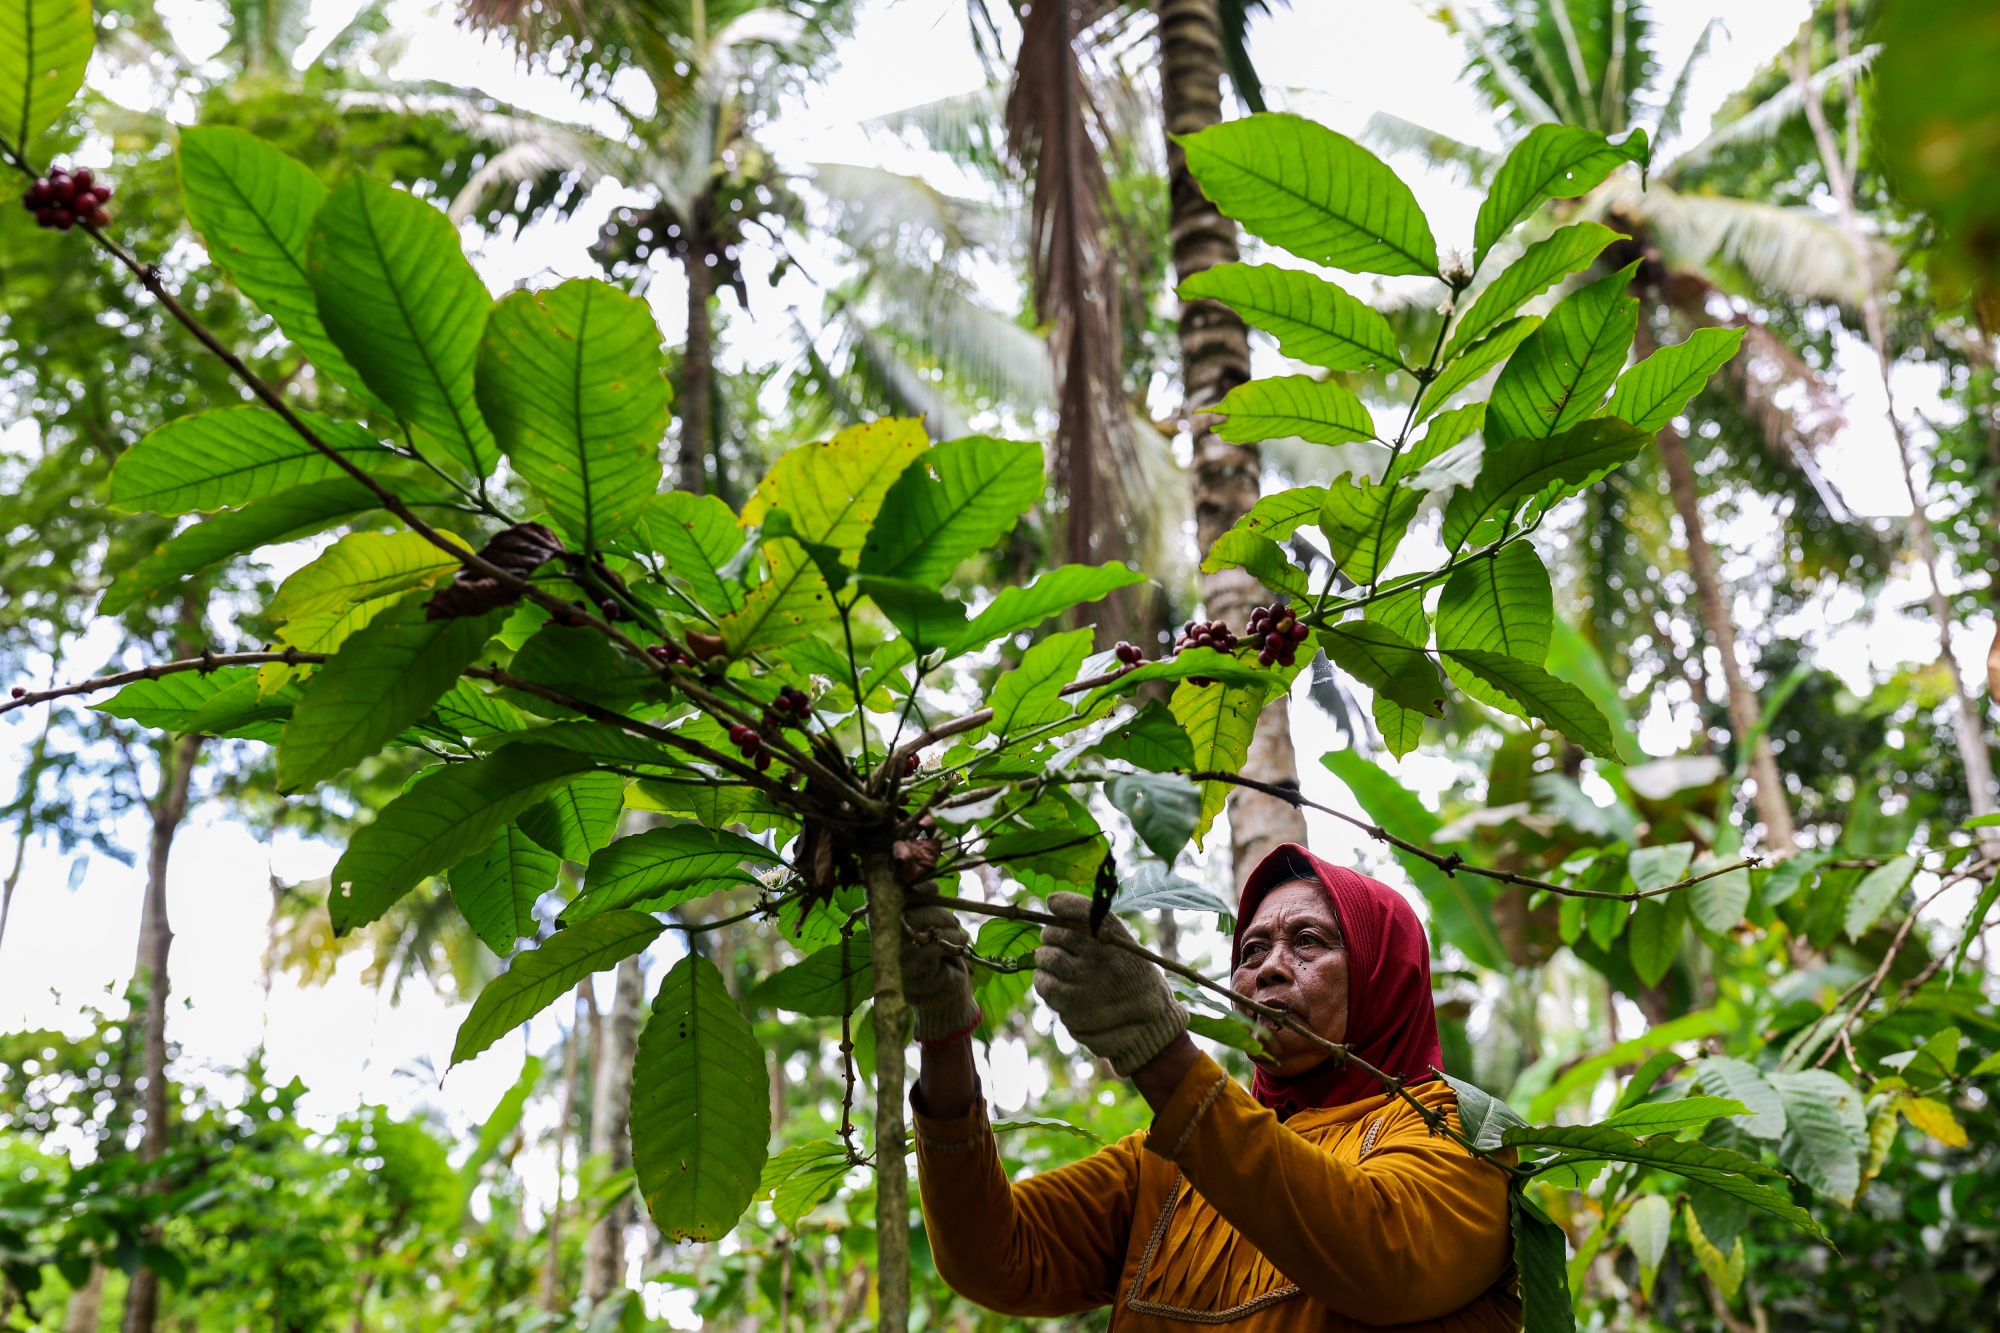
<point x="1719" y="901"/>
<point x="1386" y="663"/>
<point x="1648" y="1225"/>
<point x="833" y="490"/>
<point x="45" y="46"/>
<point x="1819" y="1146"/>
<point x="1149" y="739"/>
<point x="1281" y="513"/>
<point x="799" y="1178"/>
<point x="1872" y="896"/>
<point x="1150" y="886"/>
<point x="1482" y="1117"/>
<point x="1545" y="263"/>
<point x="664" y="867"/>
<point x="1672" y="1117"/>
<point x="536" y="977"/>
<point x="697" y="534"/>
<point x="925" y="617"/>
<point x="581" y="663"/>
<point x="1163" y="807"/>
<point x="701" y="1106"/>
<point x="573" y="383"/>
<point x="448" y="814"/>
<point x="1313" y="320"/>
<point x="1537" y="471"/>
<point x="363" y="567"/>
<point x="1227" y="1030"/>
<point x="825" y="984"/>
<point x="225" y="702"/>
<point x="1503" y="604"/>
<point x="1560" y="705"/>
<point x="580" y="818"/>
<point x="286" y="516"/>
<point x="1732" y="1173"/>
<point x="929" y="524"/>
<point x="1656" y="867"/>
<point x="229" y="456"/>
<point x="1314" y="192"/>
<point x="1559" y="376"/>
<point x="1550" y="162"/>
<point x="1031" y="694"/>
<point x="1726" y="1076"/>
<point x="1402" y="728"/>
<point x="1653" y="936"/>
<point x="254" y="207"/>
<point x="1655" y="391"/>
<point x="1541" y="1257"/>
<point x="1023" y="608"/>
<point x="496" y="890"/>
<point x="1220" y="718"/>
<point x="385" y="676"/>
<point x="1317" y="411"/>
<point x="786" y="607"/>
<point x="400" y="299"/>
<point x="1363" y="524"/>
<point x="1475" y="361"/>
<point x="1241" y="548"/>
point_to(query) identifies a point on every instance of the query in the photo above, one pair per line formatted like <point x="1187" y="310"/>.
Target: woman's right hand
<point x="937" y="985"/>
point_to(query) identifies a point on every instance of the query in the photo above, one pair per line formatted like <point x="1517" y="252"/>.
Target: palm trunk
<point x="1215" y="358"/>
<point x="1773" y="806"/>
<point x="610" y="1129"/>
<point x="892" y="1180"/>
<point x="1968" y="722"/>
<point x="697" y="367"/>
<point x="86" y="1304"/>
<point x="156" y="938"/>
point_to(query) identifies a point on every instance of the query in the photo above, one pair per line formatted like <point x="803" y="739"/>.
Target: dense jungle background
<point x="225" y="1107"/>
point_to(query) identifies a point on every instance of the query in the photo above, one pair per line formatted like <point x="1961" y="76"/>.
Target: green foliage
<point x="46" y="45"/>
<point x="537" y="976"/>
<point x="701" y="1106"/>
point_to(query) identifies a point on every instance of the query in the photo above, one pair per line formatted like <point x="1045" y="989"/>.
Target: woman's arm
<point x="1051" y="1245"/>
<point x="1414" y="1230"/>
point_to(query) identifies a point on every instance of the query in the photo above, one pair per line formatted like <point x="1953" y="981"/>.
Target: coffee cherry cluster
<point x="668" y="655"/>
<point x="1214" y="634"/>
<point x="1131" y="654"/>
<point x="789" y="709"/>
<point x="63" y="199"/>
<point x="1279" y="632"/>
<point x="751" y="744"/>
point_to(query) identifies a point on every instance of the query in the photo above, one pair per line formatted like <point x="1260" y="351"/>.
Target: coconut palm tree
<point x="714" y="70"/>
<point x="1705" y="255"/>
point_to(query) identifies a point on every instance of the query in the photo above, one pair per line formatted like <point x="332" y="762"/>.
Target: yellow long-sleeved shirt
<point x="1350" y="1217"/>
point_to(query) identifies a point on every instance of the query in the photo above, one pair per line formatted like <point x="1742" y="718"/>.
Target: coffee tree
<point x="514" y="595"/>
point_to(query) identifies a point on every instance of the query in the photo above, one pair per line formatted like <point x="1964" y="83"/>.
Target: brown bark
<point x="697" y="368"/>
<point x="1969" y="722"/>
<point x="892" y="1178"/>
<point x="156" y="938"/>
<point x="1774" y="807"/>
<point x="1215" y="358"/>
<point x="86" y="1305"/>
<point x="610" y="1129"/>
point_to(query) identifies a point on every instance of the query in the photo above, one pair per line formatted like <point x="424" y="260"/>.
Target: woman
<point x="1312" y="1202"/>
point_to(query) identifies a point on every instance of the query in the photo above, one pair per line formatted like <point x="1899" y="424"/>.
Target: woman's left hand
<point x="1115" y="1003"/>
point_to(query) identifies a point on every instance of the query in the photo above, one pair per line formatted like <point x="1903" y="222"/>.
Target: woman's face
<point x="1294" y="958"/>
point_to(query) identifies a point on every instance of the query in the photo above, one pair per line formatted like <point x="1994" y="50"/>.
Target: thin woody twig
<point x="205" y="663"/>
<point x="1452" y="863"/>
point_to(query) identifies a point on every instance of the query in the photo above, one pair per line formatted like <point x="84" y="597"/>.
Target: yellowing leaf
<point x="1934" y="1118"/>
<point x="833" y="489"/>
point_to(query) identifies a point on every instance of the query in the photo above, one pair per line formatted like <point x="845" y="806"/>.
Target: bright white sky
<point x="1337" y="59"/>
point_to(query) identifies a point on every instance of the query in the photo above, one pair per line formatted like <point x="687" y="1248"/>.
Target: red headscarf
<point x="1390" y="1020"/>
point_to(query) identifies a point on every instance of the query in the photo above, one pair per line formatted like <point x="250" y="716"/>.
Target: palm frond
<point x="1466" y="162"/>
<point x="1526" y="102"/>
<point x="876" y="207"/>
<point x="964" y="127"/>
<point x="1794" y="252"/>
<point x="1234" y="20"/>
<point x="1676" y="104"/>
<point x="1764" y="120"/>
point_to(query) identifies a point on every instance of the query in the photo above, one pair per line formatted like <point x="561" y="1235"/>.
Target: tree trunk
<point x="610" y="1130"/>
<point x="156" y="938"/>
<point x="1215" y="358"/>
<point x="1773" y="805"/>
<point x="579" y="1032"/>
<point x="697" y="366"/>
<point x="86" y="1305"/>
<point x="1968" y="719"/>
<point x="892" y="1179"/>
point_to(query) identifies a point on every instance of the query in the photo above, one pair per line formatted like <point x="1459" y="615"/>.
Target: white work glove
<point x="1115" y="1003"/>
<point x="937" y="985"/>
